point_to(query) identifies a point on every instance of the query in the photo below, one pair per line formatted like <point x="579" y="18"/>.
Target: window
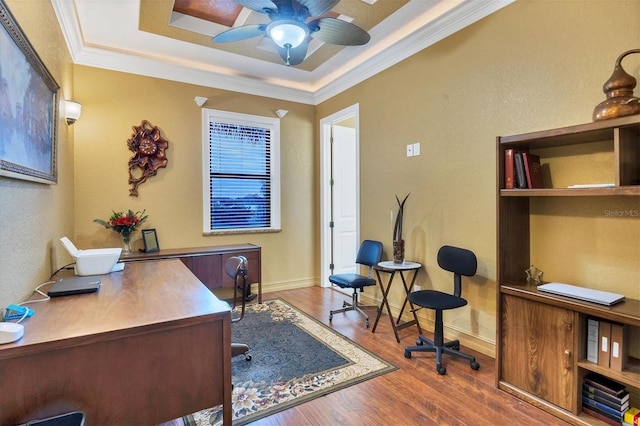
<point x="241" y="178"/>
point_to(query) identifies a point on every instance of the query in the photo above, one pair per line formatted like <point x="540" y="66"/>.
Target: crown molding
<point x="461" y="13"/>
<point x="445" y="25"/>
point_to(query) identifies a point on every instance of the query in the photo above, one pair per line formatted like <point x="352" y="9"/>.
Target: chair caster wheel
<point x="419" y="342"/>
<point x="366" y="323"/>
<point x="407" y="354"/>
<point x="475" y="365"/>
<point x="330" y="317"/>
<point x="455" y="347"/>
<point x="344" y="304"/>
<point x="441" y="370"/>
<point x="248" y="357"/>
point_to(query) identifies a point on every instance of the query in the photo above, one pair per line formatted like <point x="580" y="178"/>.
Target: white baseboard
<point x="476" y="343"/>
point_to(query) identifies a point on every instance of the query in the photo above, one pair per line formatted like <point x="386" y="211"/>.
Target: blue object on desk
<point x="17" y="312"/>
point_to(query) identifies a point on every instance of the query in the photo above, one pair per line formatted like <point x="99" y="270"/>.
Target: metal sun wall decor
<point x="148" y="147"/>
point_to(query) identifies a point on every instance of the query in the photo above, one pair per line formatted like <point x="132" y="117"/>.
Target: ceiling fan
<point x="293" y="22"/>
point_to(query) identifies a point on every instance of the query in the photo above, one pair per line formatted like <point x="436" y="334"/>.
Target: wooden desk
<point x="391" y="268"/>
<point x="207" y="263"/>
<point x="153" y="344"/>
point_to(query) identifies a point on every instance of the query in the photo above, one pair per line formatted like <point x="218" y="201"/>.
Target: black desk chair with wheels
<point x="369" y="254"/>
<point x="461" y="262"/>
<point x="237" y="267"/>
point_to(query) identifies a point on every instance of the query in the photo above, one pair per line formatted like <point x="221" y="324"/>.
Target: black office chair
<point x="369" y="254"/>
<point x="237" y="268"/>
<point x="460" y="262"/>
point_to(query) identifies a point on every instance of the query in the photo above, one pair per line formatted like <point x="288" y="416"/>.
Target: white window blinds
<point x="240" y="178"/>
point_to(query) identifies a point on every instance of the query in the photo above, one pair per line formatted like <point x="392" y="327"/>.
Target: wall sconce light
<point x="281" y="113"/>
<point x="72" y="111"/>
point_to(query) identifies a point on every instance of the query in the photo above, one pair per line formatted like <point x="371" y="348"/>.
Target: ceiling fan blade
<point x="257" y="5"/>
<point x="294" y="56"/>
<point x="318" y="7"/>
<point x="241" y="33"/>
<point x="336" y="31"/>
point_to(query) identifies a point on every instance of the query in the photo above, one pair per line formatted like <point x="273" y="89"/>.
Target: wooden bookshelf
<point x="541" y="337"/>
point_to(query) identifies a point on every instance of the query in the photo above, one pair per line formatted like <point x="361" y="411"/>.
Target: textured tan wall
<point x="33" y="216"/>
<point x="113" y="102"/>
<point x="531" y="66"/>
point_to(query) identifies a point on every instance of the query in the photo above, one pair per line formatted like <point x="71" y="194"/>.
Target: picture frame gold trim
<point x="28" y="108"/>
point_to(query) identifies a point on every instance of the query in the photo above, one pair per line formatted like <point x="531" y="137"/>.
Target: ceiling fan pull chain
<point x="288" y="46"/>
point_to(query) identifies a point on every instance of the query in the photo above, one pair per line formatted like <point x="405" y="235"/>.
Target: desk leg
<point x="385" y="302"/>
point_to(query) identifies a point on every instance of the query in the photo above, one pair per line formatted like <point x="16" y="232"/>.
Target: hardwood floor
<point x="415" y="393"/>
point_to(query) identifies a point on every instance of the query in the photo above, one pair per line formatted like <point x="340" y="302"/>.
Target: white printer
<point x="94" y="261"/>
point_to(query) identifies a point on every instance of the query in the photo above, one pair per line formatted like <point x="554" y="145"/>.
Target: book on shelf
<point x="593" y="185"/>
<point x="615" y="401"/>
<point x="619" y="351"/>
<point x="604" y="342"/>
<point x="533" y="170"/>
<point x="605" y="384"/>
<point x="509" y="172"/>
<point x="592" y="340"/>
<point x="593" y="412"/>
<point x="521" y="178"/>
<point x="621" y="407"/>
<point x="603" y="408"/>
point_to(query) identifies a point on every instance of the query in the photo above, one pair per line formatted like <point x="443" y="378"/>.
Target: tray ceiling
<point x="173" y="40"/>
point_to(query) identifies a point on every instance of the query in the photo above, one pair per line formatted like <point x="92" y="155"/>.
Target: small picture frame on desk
<point x="150" y="239"/>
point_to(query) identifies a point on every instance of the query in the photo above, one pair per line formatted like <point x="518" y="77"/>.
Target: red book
<point x="509" y="173"/>
<point x="533" y="170"/>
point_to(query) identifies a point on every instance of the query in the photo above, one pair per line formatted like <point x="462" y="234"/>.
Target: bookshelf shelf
<point x="550" y="375"/>
<point x="633" y="191"/>
<point x="630" y="376"/>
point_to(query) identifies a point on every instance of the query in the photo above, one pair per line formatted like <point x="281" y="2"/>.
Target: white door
<point x="344" y="202"/>
<point x="340" y="194"/>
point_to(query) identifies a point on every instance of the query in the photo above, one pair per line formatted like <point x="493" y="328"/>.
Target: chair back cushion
<point x="236" y="266"/>
<point x="457" y="260"/>
<point x="370" y="253"/>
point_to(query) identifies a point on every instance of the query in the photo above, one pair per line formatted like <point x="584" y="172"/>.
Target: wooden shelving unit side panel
<point x="627" y="147"/>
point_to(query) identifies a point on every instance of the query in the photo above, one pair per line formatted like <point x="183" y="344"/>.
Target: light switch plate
<point x="410" y="150"/>
<point x="416" y="148"/>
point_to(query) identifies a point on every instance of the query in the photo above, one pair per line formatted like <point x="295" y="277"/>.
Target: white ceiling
<point x="105" y="34"/>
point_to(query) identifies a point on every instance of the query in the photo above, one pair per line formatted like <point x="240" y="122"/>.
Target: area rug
<point x="295" y="358"/>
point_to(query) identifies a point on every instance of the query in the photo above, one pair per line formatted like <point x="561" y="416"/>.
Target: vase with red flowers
<point x="124" y="224"/>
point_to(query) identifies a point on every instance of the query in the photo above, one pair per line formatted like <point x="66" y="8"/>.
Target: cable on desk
<point x="67" y="266"/>
<point x="37" y="290"/>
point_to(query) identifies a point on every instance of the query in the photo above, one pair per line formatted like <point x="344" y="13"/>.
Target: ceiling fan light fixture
<point x="287" y="32"/>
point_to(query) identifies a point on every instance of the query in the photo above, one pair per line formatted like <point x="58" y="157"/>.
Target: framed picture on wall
<point x="28" y="108"/>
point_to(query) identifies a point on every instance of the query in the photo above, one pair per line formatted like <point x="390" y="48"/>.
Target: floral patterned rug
<point x="295" y="358"/>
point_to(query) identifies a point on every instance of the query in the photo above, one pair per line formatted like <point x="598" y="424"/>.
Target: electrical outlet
<point x="416" y="287"/>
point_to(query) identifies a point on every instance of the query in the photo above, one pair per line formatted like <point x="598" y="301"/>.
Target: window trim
<point x="273" y="124"/>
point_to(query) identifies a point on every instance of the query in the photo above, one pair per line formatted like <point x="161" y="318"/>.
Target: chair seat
<point x="434" y="299"/>
<point x="351" y="280"/>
